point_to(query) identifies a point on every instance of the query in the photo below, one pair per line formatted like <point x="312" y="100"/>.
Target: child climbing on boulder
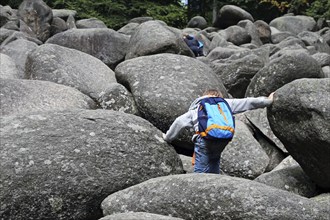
<point x="211" y="116"/>
<point x="195" y="45"/>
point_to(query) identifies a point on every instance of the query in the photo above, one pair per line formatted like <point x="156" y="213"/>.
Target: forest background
<point x="177" y="13"/>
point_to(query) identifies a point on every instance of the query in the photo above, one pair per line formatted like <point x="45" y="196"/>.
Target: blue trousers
<point x="207" y="155"/>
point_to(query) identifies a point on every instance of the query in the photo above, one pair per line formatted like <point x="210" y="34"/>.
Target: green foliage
<point x="258" y="9"/>
<point x="313" y="8"/>
<point x="116" y="13"/>
<point x="11" y="3"/>
<point x="171" y="14"/>
<point x="319" y="9"/>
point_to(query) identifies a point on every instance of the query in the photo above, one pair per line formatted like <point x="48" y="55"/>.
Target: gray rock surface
<point x="230" y="15"/>
<point x="58" y="25"/>
<point x="19" y="50"/>
<point x="71" y="22"/>
<point x="63" y="13"/>
<point x="70" y="67"/>
<point x="209" y="196"/>
<point x="323" y="199"/>
<point x="280" y="36"/>
<point x="292" y="45"/>
<point x="26" y="29"/>
<point x="314" y="39"/>
<point x="326" y="35"/>
<point x="15" y="35"/>
<point x="186" y="162"/>
<point x="152" y="37"/>
<point x="140" y="20"/>
<point x="289" y="66"/>
<point x="128" y="29"/>
<point x="237" y="35"/>
<point x="24" y="96"/>
<point x="38" y="16"/>
<point x="294" y="24"/>
<point x="224" y="52"/>
<point x="258" y="118"/>
<point x="5" y="33"/>
<point x="243" y="156"/>
<point x="322" y="58"/>
<point x="292" y="179"/>
<point x="164" y="91"/>
<point x="6" y="15"/>
<point x="236" y="74"/>
<point x="103" y="43"/>
<point x="117" y="97"/>
<point x="197" y="22"/>
<point x="300" y="118"/>
<point x="258" y="123"/>
<point x="286" y="163"/>
<point x="12" y="25"/>
<point x="263" y="31"/>
<point x="251" y="29"/>
<point x="90" y="23"/>
<point x="61" y="165"/>
<point x="138" y="216"/>
<point x="8" y="68"/>
<point x="217" y="41"/>
<point x="326" y="71"/>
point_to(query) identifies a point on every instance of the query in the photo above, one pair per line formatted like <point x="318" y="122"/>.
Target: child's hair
<point x="213" y="92"/>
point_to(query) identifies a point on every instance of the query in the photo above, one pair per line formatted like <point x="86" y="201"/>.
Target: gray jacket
<point x="189" y="119"/>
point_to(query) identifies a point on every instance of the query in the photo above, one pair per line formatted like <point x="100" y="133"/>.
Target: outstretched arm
<point x="183" y="121"/>
<point x="242" y="105"/>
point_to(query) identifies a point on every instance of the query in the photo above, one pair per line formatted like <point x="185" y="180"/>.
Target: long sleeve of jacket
<point x="183" y="121"/>
<point x="241" y="105"/>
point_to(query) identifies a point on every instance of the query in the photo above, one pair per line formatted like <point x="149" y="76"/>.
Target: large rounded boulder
<point x="236" y="74"/>
<point x="70" y="67"/>
<point x="153" y="37"/>
<point x="300" y="118"/>
<point x="290" y="65"/>
<point x="197" y="22"/>
<point x="24" y="96"/>
<point x="236" y="35"/>
<point x="105" y="44"/>
<point x="164" y="91"/>
<point x="209" y="196"/>
<point x="294" y="24"/>
<point x="230" y="15"/>
<point x="62" y="164"/>
<point x="19" y="50"/>
<point x="38" y="16"/>
<point x="292" y="179"/>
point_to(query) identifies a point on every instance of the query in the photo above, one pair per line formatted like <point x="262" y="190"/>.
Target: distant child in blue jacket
<point x="195" y="45"/>
<point x="208" y="152"/>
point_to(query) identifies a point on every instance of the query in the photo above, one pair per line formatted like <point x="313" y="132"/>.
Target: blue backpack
<point x="215" y="119"/>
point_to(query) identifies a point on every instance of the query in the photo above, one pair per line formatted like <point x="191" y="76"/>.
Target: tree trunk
<point x="214" y="10"/>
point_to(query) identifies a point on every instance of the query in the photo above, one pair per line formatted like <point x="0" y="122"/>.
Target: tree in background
<point x="116" y="13"/>
<point x="313" y="8"/>
<point x="265" y="10"/>
<point x="209" y="8"/>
